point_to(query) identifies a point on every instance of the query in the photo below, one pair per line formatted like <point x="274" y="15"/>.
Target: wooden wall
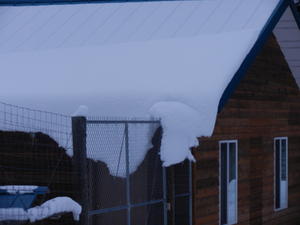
<point x="265" y="105"/>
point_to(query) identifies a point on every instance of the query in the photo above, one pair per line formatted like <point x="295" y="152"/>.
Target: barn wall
<point x="265" y="105"/>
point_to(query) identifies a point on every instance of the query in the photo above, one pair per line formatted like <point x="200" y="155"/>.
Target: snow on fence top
<point x="22" y="189"/>
<point x="167" y="59"/>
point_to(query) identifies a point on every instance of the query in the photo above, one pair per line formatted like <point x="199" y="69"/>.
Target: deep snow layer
<point x="126" y="80"/>
<point x="182" y="81"/>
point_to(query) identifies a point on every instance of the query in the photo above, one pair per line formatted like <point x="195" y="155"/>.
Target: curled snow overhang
<point x="168" y="59"/>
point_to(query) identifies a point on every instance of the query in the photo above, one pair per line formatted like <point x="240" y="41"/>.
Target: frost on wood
<point x="49" y="208"/>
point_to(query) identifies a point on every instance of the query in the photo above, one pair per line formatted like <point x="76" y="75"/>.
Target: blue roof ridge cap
<point x="249" y="59"/>
<point x="69" y="2"/>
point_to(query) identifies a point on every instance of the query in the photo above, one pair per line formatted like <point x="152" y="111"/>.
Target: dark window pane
<point x="182" y="211"/>
<point x="277" y="173"/>
<point x="232" y="161"/>
<point x="223" y="183"/>
<point x="147" y="215"/>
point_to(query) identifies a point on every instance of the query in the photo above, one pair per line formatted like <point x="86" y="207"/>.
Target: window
<point x="228" y="182"/>
<point x="281" y="172"/>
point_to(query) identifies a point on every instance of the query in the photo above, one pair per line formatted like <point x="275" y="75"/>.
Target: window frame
<point x="287" y="171"/>
<point x="227" y="142"/>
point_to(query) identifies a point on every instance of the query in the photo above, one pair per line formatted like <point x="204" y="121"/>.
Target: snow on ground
<point x="177" y="78"/>
<point x="22" y="189"/>
<point x="54" y="206"/>
<point x="47" y="209"/>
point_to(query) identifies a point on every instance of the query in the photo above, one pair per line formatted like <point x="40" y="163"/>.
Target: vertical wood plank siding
<point x="265" y="105"/>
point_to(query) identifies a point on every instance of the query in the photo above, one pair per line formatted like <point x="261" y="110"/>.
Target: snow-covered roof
<point x="131" y="59"/>
<point x="84" y="52"/>
<point x="32" y="28"/>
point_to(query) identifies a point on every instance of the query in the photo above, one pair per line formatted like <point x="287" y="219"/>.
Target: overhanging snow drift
<point x="170" y="60"/>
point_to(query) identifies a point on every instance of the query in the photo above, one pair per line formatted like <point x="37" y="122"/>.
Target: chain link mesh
<point x="125" y="172"/>
<point x="33" y="152"/>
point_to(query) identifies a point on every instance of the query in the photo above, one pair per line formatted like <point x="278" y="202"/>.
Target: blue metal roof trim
<point x="295" y="13"/>
<point x="266" y="31"/>
<point x="68" y="2"/>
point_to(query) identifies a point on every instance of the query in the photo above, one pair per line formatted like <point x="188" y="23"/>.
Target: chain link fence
<point x="115" y="173"/>
<point x="123" y="181"/>
<point x="35" y="165"/>
<point x="126" y="180"/>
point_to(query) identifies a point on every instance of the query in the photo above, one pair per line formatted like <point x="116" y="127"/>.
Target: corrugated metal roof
<point x="27" y="28"/>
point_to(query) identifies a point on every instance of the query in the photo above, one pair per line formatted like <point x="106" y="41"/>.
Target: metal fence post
<point x="165" y="203"/>
<point x="127" y="175"/>
<point x="190" y="193"/>
<point x="80" y="156"/>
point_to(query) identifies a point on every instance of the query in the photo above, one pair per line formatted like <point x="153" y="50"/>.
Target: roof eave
<point x="249" y="59"/>
<point x="64" y="2"/>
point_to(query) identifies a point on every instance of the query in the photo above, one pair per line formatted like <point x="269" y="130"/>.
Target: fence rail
<point x="112" y="168"/>
<point x="123" y="139"/>
<point x="126" y="182"/>
<point x="33" y="153"/>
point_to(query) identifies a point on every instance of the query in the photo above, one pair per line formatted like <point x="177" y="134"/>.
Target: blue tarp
<point x="20" y="200"/>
